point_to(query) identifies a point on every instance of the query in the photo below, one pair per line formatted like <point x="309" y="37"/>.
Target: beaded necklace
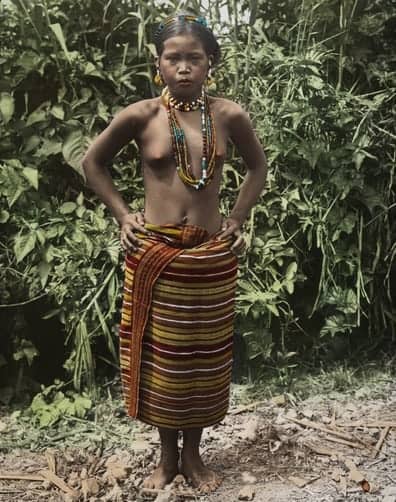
<point x="179" y="144"/>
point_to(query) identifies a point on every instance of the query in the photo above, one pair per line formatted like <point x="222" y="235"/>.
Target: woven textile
<point x="177" y="327"/>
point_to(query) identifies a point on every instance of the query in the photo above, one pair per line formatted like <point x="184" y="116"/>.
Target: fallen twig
<point x="381" y="440"/>
<point x="26" y="477"/>
<point x="320" y="427"/>
<point x="59" y="482"/>
<point x="359" y="423"/>
<point x="344" y="441"/>
<point x="248" y="407"/>
<point x="300" y="482"/>
<point x="51" y="461"/>
<point x="321" y="450"/>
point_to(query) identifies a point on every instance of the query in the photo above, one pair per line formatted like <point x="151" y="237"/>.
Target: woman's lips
<point x="184" y="82"/>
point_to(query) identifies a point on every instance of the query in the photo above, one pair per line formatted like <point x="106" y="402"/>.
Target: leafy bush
<point x="318" y="81"/>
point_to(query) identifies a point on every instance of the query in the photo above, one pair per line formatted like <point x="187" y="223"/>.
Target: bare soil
<point x="325" y="448"/>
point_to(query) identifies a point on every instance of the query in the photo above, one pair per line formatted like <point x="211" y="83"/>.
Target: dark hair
<point x="183" y="23"/>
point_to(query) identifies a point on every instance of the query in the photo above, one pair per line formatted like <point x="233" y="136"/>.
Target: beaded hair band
<point x="187" y="18"/>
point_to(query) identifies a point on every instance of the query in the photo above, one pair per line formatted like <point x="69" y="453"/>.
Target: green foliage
<point x="51" y="404"/>
<point x="318" y="81"/>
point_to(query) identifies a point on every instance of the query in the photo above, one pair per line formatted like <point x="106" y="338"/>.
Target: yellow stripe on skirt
<point x="176" y="328"/>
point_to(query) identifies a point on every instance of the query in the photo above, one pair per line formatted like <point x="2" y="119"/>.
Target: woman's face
<point x="184" y="66"/>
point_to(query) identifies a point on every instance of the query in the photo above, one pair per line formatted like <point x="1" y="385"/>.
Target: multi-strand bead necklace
<point x="179" y="143"/>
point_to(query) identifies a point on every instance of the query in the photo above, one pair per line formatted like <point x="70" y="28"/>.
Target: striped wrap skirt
<point x="176" y="329"/>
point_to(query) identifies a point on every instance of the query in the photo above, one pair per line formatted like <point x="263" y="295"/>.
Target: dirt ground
<point x="325" y="448"/>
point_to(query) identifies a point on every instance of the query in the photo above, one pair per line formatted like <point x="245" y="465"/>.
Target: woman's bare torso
<point x="167" y="198"/>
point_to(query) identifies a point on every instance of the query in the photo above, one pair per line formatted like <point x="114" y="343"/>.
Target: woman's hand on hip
<point x="230" y="226"/>
<point x="130" y="224"/>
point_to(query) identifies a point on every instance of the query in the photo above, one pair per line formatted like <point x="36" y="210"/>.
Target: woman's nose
<point x="184" y="67"/>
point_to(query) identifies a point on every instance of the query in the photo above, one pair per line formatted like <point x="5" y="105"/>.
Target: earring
<point x="209" y="79"/>
<point x="158" y="78"/>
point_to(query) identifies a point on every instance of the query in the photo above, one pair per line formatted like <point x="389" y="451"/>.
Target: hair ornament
<point x="184" y="18"/>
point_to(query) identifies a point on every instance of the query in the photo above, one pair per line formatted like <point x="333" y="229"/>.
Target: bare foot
<point x="161" y="476"/>
<point x="200" y="476"/>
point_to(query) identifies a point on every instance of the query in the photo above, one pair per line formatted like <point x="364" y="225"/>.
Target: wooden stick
<point x="26" y="477"/>
<point x="343" y="441"/>
<point x="179" y="493"/>
<point x="59" y="482"/>
<point x="358" y="423"/>
<point x="51" y="461"/>
<point x="381" y="440"/>
<point x="248" y="407"/>
<point x="320" y="427"/>
<point x="320" y="450"/>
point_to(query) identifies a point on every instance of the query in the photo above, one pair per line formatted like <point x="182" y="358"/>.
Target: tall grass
<point x="318" y="280"/>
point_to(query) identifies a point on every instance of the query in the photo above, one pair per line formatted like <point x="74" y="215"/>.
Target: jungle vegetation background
<point x="319" y="80"/>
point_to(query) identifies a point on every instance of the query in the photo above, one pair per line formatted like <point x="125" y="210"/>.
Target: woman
<point x="181" y="268"/>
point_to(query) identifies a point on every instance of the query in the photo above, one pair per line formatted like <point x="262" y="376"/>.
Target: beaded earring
<point x="209" y="79"/>
<point x="158" y="79"/>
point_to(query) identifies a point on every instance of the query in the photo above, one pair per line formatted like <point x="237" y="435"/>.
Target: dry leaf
<point x="343" y="485"/>
<point x="279" y="400"/>
<point x="140" y="445"/>
<point x="336" y="475"/>
<point x="274" y="446"/>
<point x="115" y="495"/>
<point x="247" y="492"/>
<point x="250" y="430"/>
<point x="307" y="412"/>
<point x="356" y="476"/>
<point x="248" y="478"/>
<point x="163" y="497"/>
<point x="115" y="469"/>
<point x="89" y="486"/>
<point x="300" y="482"/>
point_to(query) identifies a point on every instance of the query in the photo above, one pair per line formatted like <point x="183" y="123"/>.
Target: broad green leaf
<point x="67" y="207"/>
<point x="92" y="71"/>
<point x="57" y="29"/>
<point x="81" y="405"/>
<point x="44" y="269"/>
<point x="31" y="175"/>
<point x="273" y="308"/>
<point x="289" y="286"/>
<point x="73" y="150"/>
<point x="7" y="106"/>
<point x="58" y="112"/>
<point x="36" y="116"/>
<point x="29" y="60"/>
<point x="24" y="244"/>
<point x="291" y="270"/>
<point x="4" y="216"/>
<point x="31" y="143"/>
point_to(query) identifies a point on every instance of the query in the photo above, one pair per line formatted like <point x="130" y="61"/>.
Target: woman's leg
<point x="192" y="466"/>
<point x="168" y="464"/>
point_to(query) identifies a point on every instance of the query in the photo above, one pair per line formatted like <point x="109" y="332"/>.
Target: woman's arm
<point x="252" y="153"/>
<point x="106" y="145"/>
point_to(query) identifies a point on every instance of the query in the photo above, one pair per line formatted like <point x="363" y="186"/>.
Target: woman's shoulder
<point x="143" y="110"/>
<point x="228" y="109"/>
